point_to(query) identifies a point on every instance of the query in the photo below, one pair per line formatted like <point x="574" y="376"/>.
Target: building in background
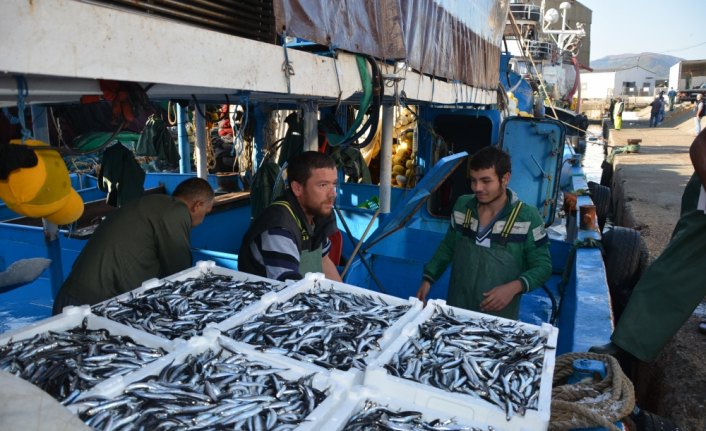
<point x="631" y="82"/>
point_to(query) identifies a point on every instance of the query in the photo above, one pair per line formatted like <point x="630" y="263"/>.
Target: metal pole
<point x="260" y="114"/>
<point x="200" y="150"/>
<point x="388" y="124"/>
<point x="183" y="139"/>
<point x="311" y="126"/>
<point x="40" y="131"/>
<point x="360" y="242"/>
<point x="361" y="258"/>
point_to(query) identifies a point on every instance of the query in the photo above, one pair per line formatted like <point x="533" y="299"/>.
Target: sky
<point x="672" y="27"/>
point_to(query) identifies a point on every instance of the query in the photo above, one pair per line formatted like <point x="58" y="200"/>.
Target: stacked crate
<point x="347" y="388"/>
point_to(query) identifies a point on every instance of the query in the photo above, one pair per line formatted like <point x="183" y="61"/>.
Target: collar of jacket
<point x="512" y="201"/>
<point x="298" y="211"/>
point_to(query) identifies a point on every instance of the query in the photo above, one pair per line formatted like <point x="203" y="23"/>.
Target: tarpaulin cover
<point x="454" y="39"/>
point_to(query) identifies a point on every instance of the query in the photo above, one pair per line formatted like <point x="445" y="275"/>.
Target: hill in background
<point x="657" y="63"/>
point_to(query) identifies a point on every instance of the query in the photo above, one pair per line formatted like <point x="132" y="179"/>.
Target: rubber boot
<point x="646" y="421"/>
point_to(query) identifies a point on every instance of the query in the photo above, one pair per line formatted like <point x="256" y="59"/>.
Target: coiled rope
<point x="590" y="404"/>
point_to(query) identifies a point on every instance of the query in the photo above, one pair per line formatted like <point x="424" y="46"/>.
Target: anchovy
<point x="330" y="328"/>
<point x="184" y="308"/>
<point x="65" y="364"/>
<point x="375" y="417"/>
<point x="484" y="358"/>
<point x="211" y="390"/>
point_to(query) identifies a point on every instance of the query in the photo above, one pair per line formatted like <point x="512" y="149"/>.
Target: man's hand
<point x="500" y="296"/>
<point x="330" y="270"/>
<point x="423" y="291"/>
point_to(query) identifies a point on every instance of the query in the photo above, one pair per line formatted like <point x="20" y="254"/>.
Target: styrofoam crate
<point x="73" y="317"/>
<point x="204" y="266"/>
<point x="201" y="268"/>
<point x="358" y="396"/>
<point x="457" y="404"/>
<point x="336" y="384"/>
<point x="313" y="282"/>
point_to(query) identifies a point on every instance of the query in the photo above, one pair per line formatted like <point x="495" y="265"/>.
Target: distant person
<point x="496" y="245"/>
<point x="699" y="112"/>
<point x="290" y="237"/>
<point x="147" y="238"/>
<point x="662" y="106"/>
<point x="618" y="114"/>
<point x="673" y="286"/>
<point x="611" y="111"/>
<point x="672" y="96"/>
<point x="655" y="107"/>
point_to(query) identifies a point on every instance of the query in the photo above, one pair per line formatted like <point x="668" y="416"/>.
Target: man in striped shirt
<point x="290" y="237"/>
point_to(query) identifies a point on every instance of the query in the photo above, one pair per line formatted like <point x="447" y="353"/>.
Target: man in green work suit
<point x="148" y="238"/>
<point x="672" y="287"/>
<point x="497" y="245"/>
<point x="290" y="237"/>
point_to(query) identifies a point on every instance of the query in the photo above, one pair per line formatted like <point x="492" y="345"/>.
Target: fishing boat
<point x="432" y="78"/>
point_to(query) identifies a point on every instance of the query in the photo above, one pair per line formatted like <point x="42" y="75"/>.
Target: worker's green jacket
<point x="671" y="288"/>
<point x="148" y="238"/>
<point x="509" y="252"/>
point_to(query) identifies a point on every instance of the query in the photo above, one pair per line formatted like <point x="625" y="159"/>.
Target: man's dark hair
<point x="491" y="157"/>
<point x="194" y="189"/>
<point x="300" y="167"/>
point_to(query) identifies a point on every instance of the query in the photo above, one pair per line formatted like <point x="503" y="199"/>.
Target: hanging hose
<point x="371" y="126"/>
<point x="590" y="404"/>
<point x="369" y="104"/>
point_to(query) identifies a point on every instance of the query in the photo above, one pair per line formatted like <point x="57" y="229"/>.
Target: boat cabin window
<point x="458" y="133"/>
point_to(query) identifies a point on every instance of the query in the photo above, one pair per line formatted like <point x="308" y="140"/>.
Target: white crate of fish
<point x="210" y="382"/>
<point x="184" y="304"/>
<point x="365" y="409"/>
<point x="328" y="324"/>
<point x="473" y="366"/>
<point x="74" y="352"/>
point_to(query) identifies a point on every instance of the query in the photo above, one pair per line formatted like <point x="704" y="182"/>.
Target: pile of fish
<point x="374" y="417"/>
<point x="212" y="390"/>
<point x="65" y="364"/>
<point x="184" y="308"/>
<point x="330" y="328"/>
<point x="486" y="358"/>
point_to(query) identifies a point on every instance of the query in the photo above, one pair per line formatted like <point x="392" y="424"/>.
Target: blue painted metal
<point x="32" y="301"/>
<point x="225" y="260"/>
<point x="414" y="201"/>
<point x="514" y="82"/>
<point x="587" y="369"/>
<point x="537" y="148"/>
<point x="261" y="117"/>
<point x="222" y="231"/>
<point x="171" y="180"/>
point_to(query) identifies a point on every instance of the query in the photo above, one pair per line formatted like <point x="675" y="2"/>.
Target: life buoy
<point x="43" y="190"/>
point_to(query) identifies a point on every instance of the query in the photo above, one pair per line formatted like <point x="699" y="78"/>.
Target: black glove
<point x="13" y="157"/>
